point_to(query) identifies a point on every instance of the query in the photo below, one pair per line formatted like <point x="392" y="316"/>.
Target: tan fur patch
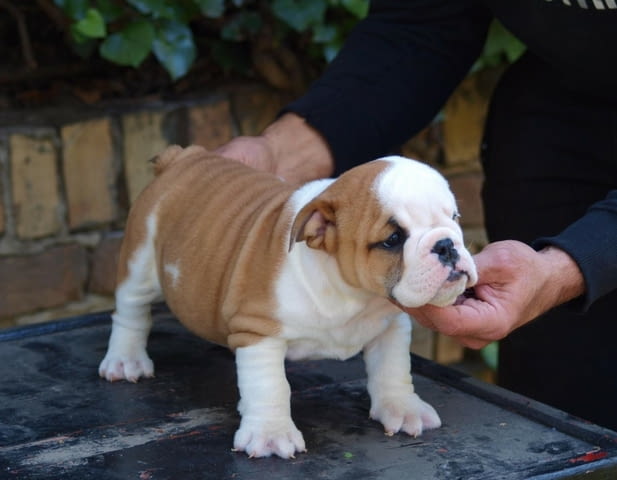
<point x="355" y="221"/>
<point x="222" y="225"/>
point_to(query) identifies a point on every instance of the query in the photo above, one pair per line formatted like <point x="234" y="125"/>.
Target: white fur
<point x="173" y="270"/>
<point x="126" y="356"/>
<point x="266" y="425"/>
<point x="422" y="203"/>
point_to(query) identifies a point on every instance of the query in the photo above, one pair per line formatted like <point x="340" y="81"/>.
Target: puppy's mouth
<point x="451" y="288"/>
<point x="468" y="293"/>
<point x="456" y="275"/>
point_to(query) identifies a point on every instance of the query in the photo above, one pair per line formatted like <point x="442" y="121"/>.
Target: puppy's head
<point x="392" y="225"/>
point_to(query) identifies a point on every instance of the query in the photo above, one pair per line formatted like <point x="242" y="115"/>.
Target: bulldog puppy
<point x="245" y="260"/>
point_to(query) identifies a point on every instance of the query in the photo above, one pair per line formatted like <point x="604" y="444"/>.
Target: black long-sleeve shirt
<point x="402" y="62"/>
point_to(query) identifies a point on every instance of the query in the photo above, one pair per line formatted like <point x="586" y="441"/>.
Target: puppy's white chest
<point x="321" y="316"/>
<point x="340" y="333"/>
<point x="338" y="342"/>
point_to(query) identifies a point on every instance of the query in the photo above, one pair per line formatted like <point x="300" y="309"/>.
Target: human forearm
<point x="590" y="242"/>
<point x="300" y="153"/>
<point x="564" y="279"/>
<point x="392" y="76"/>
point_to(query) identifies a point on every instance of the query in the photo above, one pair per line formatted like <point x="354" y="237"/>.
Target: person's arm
<point x="393" y="75"/>
<point x="591" y="242"/>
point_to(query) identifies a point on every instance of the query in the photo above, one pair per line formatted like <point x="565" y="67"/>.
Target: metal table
<point x="59" y="420"/>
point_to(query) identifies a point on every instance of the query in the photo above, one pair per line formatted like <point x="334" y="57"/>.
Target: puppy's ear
<point x="315" y="223"/>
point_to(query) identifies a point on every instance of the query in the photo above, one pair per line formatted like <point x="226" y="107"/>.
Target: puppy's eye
<point x="394" y="240"/>
<point x="456" y="216"/>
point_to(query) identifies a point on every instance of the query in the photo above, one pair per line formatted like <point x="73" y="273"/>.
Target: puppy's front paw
<point x="409" y="414"/>
<point x="126" y="366"/>
<point x="262" y="438"/>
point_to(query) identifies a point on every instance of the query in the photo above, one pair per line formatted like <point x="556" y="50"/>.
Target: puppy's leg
<point x="266" y="427"/>
<point x="126" y="356"/>
<point x="393" y="400"/>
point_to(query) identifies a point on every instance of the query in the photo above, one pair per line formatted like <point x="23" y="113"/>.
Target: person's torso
<point x="576" y="37"/>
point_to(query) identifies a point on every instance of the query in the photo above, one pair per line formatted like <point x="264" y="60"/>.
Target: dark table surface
<point x="59" y="420"/>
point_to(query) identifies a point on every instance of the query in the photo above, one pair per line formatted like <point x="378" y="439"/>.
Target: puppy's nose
<point x="446" y="252"/>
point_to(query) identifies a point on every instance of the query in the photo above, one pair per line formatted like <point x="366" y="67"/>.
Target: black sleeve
<point x="394" y="73"/>
<point x="592" y="242"/>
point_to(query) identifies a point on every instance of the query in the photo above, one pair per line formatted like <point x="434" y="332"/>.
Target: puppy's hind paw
<point x="126" y="367"/>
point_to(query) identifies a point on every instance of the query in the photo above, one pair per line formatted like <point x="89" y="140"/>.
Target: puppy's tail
<point x="171" y="155"/>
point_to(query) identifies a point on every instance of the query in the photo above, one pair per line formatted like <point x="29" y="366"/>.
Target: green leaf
<point x="500" y="47"/>
<point x="500" y="42"/>
<point x="109" y="10"/>
<point x="490" y="354"/>
<point x="231" y="57"/>
<point x="359" y="8"/>
<point x="84" y="48"/>
<point x="211" y="8"/>
<point x="514" y="49"/>
<point x="174" y="47"/>
<point x="331" y="50"/>
<point x="146" y="7"/>
<point x="130" y="46"/>
<point x="75" y="9"/>
<point x="300" y="14"/>
<point x="91" y="26"/>
<point x="241" y="25"/>
<point x="324" y="33"/>
<point x="161" y="9"/>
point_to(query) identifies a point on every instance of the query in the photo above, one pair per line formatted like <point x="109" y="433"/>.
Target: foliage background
<point x="287" y="43"/>
<point x="130" y="30"/>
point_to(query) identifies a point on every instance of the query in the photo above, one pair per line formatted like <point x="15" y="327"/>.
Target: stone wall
<point x="67" y="179"/>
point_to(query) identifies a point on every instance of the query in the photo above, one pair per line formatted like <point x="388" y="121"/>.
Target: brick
<point x="36" y="199"/>
<point x="464" y="118"/>
<point x="467" y="188"/>
<point x="4" y="158"/>
<point x="143" y="140"/>
<point x="43" y="280"/>
<point x="256" y="109"/>
<point x="475" y="238"/>
<point x="448" y="350"/>
<point x="89" y="173"/>
<point x="104" y="265"/>
<point x="426" y="145"/>
<point x="211" y="125"/>
<point x="1" y="210"/>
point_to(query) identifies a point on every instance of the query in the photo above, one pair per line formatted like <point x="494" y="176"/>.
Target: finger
<point x="474" y="318"/>
<point x="444" y="324"/>
<point x="472" y="342"/>
<point x="420" y="317"/>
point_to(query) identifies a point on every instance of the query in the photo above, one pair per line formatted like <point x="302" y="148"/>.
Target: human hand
<point x="252" y="151"/>
<point x="515" y="285"/>
<point x="289" y="148"/>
